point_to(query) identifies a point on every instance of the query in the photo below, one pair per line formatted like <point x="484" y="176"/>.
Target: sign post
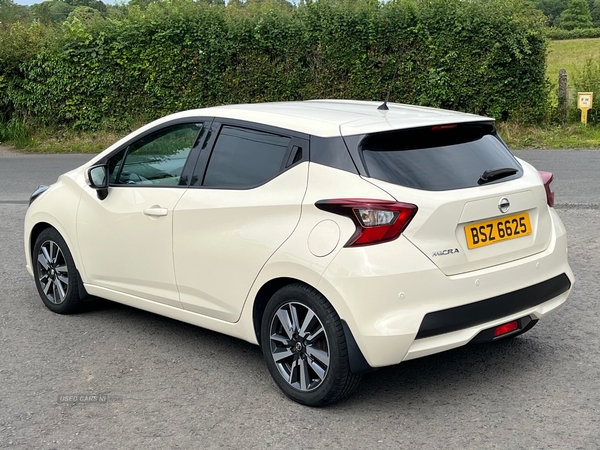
<point x="584" y="103"/>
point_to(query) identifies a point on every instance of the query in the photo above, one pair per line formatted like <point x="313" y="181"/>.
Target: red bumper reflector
<point x="506" y="328"/>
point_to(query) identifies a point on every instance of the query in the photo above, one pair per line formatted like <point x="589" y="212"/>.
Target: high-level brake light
<point x="376" y="221"/>
<point x="443" y="127"/>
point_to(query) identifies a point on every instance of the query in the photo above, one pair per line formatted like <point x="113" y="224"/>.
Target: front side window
<point x="245" y="158"/>
<point x="156" y="159"/>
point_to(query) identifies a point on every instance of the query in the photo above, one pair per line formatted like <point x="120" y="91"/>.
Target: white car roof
<point x="327" y="118"/>
<point x="324" y="118"/>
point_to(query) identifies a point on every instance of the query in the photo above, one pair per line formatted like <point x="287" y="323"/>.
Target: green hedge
<point x="558" y="34"/>
<point x="481" y="56"/>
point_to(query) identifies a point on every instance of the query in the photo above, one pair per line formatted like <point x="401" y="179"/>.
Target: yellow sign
<point x="584" y="102"/>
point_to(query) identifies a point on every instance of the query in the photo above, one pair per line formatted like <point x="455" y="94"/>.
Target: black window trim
<point x="190" y="161"/>
<point x="332" y="152"/>
<point x="296" y="140"/>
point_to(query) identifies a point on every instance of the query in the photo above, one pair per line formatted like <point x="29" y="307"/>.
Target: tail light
<point x="376" y="221"/>
<point x="547" y="178"/>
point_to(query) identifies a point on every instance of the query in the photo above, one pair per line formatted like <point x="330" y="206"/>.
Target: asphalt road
<point x="172" y="385"/>
<point x="21" y="174"/>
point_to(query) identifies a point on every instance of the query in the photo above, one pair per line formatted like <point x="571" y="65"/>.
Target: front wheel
<point x="304" y="346"/>
<point x="55" y="273"/>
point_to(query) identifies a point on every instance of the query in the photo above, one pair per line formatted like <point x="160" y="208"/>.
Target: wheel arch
<point x="36" y="230"/>
<point x="358" y="363"/>
<point x="263" y="296"/>
<point x="56" y="208"/>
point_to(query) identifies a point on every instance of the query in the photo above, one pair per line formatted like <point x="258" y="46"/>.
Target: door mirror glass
<point x="97" y="177"/>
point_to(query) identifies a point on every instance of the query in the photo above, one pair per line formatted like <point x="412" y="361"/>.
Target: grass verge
<point x="577" y="136"/>
<point x="46" y="141"/>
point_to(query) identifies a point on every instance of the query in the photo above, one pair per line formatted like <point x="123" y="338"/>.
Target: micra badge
<point x="448" y="251"/>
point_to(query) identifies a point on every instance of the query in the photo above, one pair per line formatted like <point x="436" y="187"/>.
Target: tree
<point x="85" y="14"/>
<point x="551" y="8"/>
<point x="577" y="15"/>
<point x="95" y="4"/>
<point x="41" y="12"/>
<point x="11" y="12"/>
<point x="596" y="13"/>
<point x="59" y="11"/>
<point x="51" y="11"/>
<point x="143" y="4"/>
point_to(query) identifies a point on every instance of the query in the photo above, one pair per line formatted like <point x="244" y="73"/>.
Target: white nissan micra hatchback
<point x="338" y="235"/>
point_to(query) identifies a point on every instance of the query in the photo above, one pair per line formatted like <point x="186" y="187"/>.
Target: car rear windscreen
<point x="438" y="158"/>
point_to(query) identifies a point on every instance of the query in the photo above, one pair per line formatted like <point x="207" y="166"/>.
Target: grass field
<point x="570" y="55"/>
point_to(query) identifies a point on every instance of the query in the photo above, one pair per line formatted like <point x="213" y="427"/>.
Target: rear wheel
<point x="55" y="273"/>
<point x="304" y="346"/>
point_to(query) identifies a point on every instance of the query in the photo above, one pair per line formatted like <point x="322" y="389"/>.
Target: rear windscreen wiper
<point x="496" y="174"/>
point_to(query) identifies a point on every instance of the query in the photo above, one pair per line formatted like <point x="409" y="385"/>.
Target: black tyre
<point x="304" y="346"/>
<point x="55" y="273"/>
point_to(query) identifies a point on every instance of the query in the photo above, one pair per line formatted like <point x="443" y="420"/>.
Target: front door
<point x="126" y="240"/>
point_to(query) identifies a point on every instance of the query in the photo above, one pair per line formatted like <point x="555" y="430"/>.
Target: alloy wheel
<point x="299" y="346"/>
<point x="52" y="272"/>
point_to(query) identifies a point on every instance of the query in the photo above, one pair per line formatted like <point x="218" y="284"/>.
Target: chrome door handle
<point x="156" y="211"/>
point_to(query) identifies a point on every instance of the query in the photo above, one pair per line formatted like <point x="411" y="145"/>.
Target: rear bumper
<point x="399" y="306"/>
<point x="491" y="309"/>
<point x="447" y="341"/>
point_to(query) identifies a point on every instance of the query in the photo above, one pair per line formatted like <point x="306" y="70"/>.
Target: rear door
<point x="478" y="206"/>
<point x="245" y="201"/>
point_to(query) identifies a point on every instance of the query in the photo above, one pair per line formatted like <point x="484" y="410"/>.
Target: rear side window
<point x="244" y="158"/>
<point x="437" y="158"/>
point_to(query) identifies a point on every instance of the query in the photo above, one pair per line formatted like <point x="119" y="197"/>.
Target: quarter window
<point x="156" y="159"/>
<point x="245" y="158"/>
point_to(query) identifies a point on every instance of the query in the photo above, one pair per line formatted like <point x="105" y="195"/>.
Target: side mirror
<point x="97" y="178"/>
